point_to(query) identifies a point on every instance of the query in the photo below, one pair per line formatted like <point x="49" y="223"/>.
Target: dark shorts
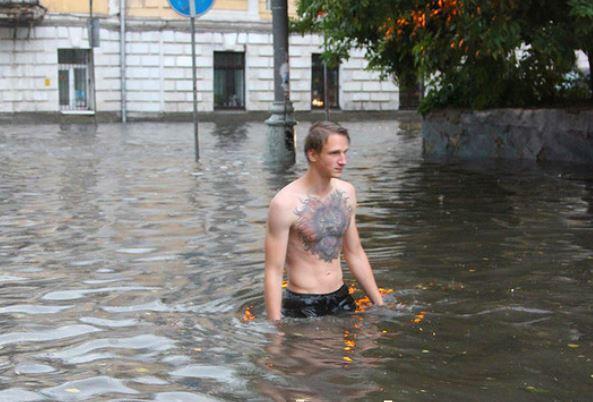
<point x="312" y="305"/>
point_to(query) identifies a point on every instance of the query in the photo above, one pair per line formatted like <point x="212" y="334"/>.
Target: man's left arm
<point x="357" y="260"/>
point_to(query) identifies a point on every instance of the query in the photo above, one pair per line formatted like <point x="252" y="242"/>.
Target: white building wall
<point x="26" y="67"/>
<point x="158" y="71"/>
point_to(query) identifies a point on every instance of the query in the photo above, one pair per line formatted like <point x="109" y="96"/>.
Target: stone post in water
<point x="281" y="136"/>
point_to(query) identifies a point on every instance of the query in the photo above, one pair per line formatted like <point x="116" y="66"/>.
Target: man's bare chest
<point x="321" y="224"/>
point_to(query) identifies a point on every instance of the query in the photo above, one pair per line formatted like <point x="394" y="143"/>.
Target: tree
<point x="473" y="53"/>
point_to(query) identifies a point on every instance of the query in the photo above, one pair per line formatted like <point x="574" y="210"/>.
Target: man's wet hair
<point x="319" y="133"/>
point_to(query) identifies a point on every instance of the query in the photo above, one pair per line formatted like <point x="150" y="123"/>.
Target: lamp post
<point x="281" y="137"/>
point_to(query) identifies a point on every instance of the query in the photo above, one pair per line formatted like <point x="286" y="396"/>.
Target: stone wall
<point x="528" y="134"/>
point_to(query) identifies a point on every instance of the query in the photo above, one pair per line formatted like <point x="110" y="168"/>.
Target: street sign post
<point x="193" y="9"/>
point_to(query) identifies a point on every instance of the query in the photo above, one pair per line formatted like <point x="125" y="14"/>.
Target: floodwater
<point x="129" y="272"/>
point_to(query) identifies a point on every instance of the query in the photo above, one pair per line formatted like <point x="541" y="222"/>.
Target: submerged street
<point x="132" y="272"/>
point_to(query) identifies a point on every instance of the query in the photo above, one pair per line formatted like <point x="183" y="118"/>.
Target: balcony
<point x="15" y="13"/>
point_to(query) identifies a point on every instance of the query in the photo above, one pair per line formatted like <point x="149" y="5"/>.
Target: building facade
<point x="48" y="64"/>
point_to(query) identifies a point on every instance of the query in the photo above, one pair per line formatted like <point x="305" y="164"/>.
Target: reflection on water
<point x="131" y="272"/>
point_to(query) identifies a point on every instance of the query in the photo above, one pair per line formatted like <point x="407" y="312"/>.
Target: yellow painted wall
<point x="153" y="8"/>
<point x="291" y="8"/>
<point x="265" y="13"/>
<point x="161" y="8"/>
<point x="76" y="6"/>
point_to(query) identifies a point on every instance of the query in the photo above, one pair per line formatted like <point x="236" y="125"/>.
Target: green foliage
<point x="471" y="53"/>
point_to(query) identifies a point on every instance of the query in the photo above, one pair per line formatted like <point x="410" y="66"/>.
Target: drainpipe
<point x="122" y="57"/>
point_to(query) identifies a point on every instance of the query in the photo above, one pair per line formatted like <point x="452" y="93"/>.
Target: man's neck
<point x="316" y="184"/>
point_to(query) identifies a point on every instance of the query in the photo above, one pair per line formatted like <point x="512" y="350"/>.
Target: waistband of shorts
<point x="342" y="289"/>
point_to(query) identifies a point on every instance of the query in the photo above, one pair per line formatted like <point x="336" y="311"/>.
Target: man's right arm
<point x="279" y="221"/>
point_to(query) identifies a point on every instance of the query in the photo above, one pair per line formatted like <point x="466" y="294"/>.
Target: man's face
<point x="332" y="158"/>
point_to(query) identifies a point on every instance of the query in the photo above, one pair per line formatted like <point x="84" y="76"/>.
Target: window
<point x="74" y="79"/>
<point x="229" y="80"/>
<point x="317" y="87"/>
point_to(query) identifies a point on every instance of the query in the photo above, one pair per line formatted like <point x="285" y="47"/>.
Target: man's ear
<point x="312" y="155"/>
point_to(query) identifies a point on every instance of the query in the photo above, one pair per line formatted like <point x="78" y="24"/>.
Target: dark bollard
<point x="281" y="135"/>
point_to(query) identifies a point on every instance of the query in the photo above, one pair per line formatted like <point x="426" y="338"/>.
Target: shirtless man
<point x="310" y="221"/>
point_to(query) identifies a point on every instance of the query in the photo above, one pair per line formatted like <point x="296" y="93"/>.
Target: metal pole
<point x="92" y="59"/>
<point x="192" y="8"/>
<point x="280" y="33"/>
<point x="325" y="91"/>
<point x="122" y="57"/>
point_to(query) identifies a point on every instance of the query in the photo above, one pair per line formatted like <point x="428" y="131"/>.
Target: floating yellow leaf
<point x="573" y="345"/>
<point x="347" y="359"/>
<point x="425" y="351"/>
<point x="418" y="318"/>
<point x="248" y="315"/>
<point x="73" y="390"/>
<point x="362" y="303"/>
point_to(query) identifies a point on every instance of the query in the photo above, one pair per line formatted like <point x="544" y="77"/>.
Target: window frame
<point x="318" y="67"/>
<point x="72" y="62"/>
<point x="228" y="67"/>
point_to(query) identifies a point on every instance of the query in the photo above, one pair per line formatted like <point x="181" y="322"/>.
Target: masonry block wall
<point x="158" y="70"/>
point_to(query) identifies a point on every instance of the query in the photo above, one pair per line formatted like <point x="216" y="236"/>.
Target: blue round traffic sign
<point x="183" y="6"/>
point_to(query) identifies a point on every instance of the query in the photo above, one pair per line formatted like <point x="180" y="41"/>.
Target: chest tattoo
<point x="321" y="224"/>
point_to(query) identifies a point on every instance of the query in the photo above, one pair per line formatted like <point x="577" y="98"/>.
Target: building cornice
<point x="136" y="24"/>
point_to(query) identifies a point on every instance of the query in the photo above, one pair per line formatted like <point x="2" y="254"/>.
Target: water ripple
<point x="221" y="374"/>
<point x="33" y="309"/>
<point x="155" y="305"/>
<point x="80" y="293"/>
<point x="81" y="353"/>
<point x="80" y="390"/>
<point x="47" y="334"/>
<point x="9" y="278"/>
<point x="102" y="322"/>
<point x="20" y="395"/>
<point x="33" y="368"/>
<point x="183" y="397"/>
